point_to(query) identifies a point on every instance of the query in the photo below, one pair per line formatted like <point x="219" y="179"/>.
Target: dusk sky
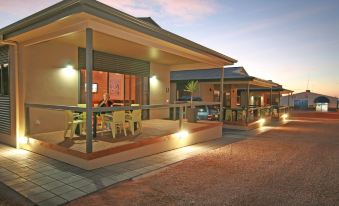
<point x="290" y="42"/>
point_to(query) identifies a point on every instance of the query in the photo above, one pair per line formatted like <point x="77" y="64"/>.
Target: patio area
<point x="151" y="130"/>
<point x="155" y="136"/>
<point x="45" y="181"/>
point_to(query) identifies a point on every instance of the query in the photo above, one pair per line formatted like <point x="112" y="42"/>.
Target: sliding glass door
<point x="124" y="89"/>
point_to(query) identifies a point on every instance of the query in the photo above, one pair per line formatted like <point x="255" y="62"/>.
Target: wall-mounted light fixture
<point x="153" y="80"/>
<point x="68" y="71"/>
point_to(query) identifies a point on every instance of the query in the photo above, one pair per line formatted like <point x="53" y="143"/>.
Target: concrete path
<point x="46" y="181"/>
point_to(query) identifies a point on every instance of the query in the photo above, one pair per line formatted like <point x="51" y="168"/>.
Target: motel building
<point x="248" y="101"/>
<point x="57" y="64"/>
<point x="312" y="101"/>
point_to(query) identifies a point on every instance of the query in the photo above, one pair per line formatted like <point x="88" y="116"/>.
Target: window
<point x="4" y="80"/>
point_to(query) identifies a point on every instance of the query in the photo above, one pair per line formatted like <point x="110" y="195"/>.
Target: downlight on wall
<point x="154" y="80"/>
<point x="68" y="71"/>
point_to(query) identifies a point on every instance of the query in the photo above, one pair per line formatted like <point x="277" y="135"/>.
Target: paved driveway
<point x="294" y="164"/>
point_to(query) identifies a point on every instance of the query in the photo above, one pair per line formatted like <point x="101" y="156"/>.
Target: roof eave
<point x="69" y="7"/>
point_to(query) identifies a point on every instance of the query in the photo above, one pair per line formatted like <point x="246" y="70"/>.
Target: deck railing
<point x="244" y="115"/>
<point x="53" y="117"/>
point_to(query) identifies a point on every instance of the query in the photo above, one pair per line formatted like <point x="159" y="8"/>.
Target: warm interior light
<point x="182" y="134"/>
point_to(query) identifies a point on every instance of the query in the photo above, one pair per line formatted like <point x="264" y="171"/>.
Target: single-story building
<point x="53" y="58"/>
<point x="311" y="101"/>
<point x="241" y="92"/>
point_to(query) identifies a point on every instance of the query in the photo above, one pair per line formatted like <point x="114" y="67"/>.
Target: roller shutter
<point x="5" y="105"/>
<point x="113" y="63"/>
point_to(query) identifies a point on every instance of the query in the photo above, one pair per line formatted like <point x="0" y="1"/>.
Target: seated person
<point x="106" y="101"/>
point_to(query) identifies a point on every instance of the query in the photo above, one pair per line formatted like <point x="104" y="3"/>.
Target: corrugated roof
<point x="69" y="7"/>
<point x="210" y="74"/>
<point x="149" y="20"/>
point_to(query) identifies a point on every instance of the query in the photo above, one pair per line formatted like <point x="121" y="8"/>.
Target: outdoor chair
<point x="117" y="121"/>
<point x="72" y="121"/>
<point x="82" y="116"/>
<point x="228" y="116"/>
<point x="132" y="118"/>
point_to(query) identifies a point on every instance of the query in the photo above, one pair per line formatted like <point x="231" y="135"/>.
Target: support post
<point x="174" y="110"/>
<point x="27" y="121"/>
<point x="279" y="106"/>
<point x="221" y="117"/>
<point x="247" y="103"/>
<point x="271" y="102"/>
<point x="181" y="115"/>
<point x="89" y="80"/>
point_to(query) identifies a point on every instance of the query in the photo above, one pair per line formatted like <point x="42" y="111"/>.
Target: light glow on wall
<point x="68" y="71"/>
<point x="154" y="81"/>
<point x="22" y="140"/>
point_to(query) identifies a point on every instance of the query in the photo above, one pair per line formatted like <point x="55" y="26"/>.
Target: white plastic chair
<point x="117" y="120"/>
<point x="72" y="121"/>
<point x="134" y="116"/>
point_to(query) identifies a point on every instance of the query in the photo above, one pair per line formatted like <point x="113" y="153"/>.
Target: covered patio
<point x="246" y="100"/>
<point x="75" y="52"/>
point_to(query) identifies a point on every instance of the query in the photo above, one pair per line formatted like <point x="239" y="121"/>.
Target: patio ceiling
<point x="110" y="44"/>
<point x="132" y="37"/>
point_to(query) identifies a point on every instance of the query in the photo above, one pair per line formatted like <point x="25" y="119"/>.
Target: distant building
<point x="311" y="101"/>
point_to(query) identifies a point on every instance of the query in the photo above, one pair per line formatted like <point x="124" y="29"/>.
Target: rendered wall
<point x="48" y="82"/>
<point x="159" y="89"/>
<point x="206" y="92"/>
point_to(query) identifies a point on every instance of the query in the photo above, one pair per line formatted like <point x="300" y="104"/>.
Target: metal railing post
<point x="222" y="77"/>
<point x="181" y="123"/>
<point x="247" y="103"/>
<point x="174" y="113"/>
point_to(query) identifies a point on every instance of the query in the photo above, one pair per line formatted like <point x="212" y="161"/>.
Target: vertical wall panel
<point x="5" y="106"/>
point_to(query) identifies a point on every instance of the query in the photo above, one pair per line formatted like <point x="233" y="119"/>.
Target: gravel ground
<point x="295" y="164"/>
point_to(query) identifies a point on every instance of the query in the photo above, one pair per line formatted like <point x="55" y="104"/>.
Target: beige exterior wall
<point x="206" y="92"/>
<point x="159" y="89"/>
<point x="234" y="92"/>
<point x="46" y="81"/>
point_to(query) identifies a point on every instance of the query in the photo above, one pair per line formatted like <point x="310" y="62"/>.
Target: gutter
<point x="16" y="85"/>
